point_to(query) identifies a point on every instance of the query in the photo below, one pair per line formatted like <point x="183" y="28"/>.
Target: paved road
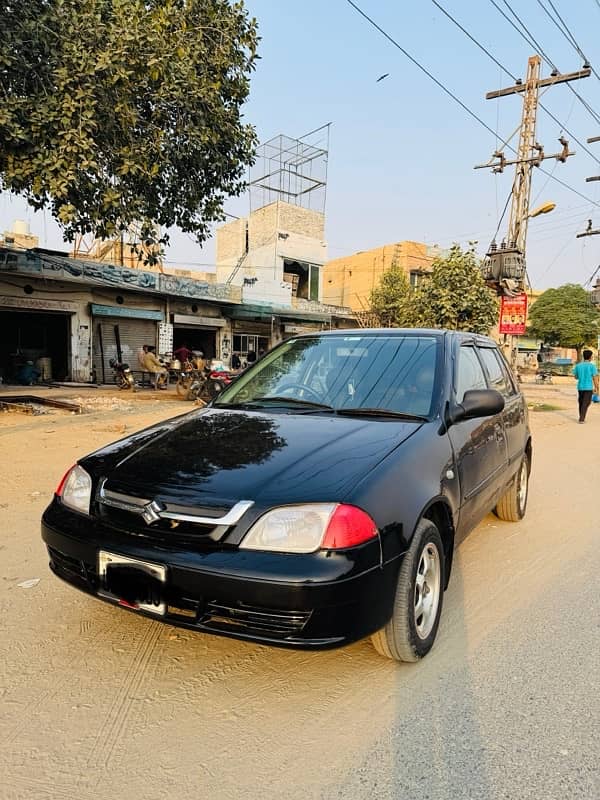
<point x="97" y="702"/>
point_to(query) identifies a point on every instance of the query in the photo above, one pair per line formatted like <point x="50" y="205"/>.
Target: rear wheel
<point x="215" y="387"/>
<point x="411" y="632"/>
<point x="513" y="504"/>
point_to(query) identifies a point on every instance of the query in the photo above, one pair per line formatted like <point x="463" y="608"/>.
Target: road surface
<point x="97" y="702"/>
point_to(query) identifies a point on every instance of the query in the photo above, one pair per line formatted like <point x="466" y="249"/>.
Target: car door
<point x="479" y="445"/>
<point x="514" y="415"/>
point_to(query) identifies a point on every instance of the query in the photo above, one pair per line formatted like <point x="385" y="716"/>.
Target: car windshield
<point x="346" y="372"/>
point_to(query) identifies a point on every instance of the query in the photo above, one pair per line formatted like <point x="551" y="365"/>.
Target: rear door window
<point x="469" y="373"/>
<point x="498" y="377"/>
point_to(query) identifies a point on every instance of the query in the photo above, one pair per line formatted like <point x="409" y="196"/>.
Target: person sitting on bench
<point x="153" y="365"/>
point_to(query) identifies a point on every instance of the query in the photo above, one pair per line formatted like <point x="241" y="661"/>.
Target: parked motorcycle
<point x="185" y="374"/>
<point x="123" y="375"/>
<point x="207" y="386"/>
<point x="543" y="377"/>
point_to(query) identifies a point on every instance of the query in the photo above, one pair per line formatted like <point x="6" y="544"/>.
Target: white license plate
<point x="132" y="583"/>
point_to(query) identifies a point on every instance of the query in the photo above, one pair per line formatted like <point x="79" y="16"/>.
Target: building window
<point x="304" y="278"/>
<point x="243" y="343"/>
<point x="416" y="277"/>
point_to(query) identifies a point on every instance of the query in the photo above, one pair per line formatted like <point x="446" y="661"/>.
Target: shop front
<point x="198" y="333"/>
<point x="37" y="330"/>
<point x="120" y="332"/>
<point x="251" y="337"/>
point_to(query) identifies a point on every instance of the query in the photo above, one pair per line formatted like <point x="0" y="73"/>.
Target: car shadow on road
<point x="433" y="745"/>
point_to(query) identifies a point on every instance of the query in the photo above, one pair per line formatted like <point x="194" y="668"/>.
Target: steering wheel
<point x="302" y="388"/>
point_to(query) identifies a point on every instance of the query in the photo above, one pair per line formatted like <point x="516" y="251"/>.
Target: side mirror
<point x="478" y="403"/>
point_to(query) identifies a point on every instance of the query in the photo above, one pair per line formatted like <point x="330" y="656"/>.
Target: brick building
<point x="349" y="281"/>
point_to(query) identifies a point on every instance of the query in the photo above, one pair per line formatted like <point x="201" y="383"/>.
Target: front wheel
<point x="512" y="506"/>
<point x="183" y="386"/>
<point x="411" y="632"/>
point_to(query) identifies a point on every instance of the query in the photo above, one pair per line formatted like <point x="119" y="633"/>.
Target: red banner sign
<point x="513" y="314"/>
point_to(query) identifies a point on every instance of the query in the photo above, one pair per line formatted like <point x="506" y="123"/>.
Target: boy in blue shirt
<point x="587" y="382"/>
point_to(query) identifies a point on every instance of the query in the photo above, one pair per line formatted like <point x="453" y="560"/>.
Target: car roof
<point x="462" y="336"/>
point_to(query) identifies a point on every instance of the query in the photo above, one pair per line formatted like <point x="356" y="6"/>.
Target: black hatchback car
<point x="317" y="501"/>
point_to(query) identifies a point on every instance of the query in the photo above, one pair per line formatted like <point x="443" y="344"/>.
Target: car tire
<point x="405" y="638"/>
<point x="512" y="506"/>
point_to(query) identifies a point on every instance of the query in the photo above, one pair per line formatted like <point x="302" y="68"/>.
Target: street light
<point x="545" y="208"/>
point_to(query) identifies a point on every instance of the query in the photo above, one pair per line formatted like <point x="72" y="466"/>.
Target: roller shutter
<point x="133" y="334"/>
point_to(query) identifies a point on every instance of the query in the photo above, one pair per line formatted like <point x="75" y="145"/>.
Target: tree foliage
<point x="390" y="301"/>
<point x="453" y="295"/>
<point x="564" y="317"/>
<point x="121" y="111"/>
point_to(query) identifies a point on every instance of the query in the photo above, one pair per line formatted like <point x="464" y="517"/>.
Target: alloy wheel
<point x="427" y="590"/>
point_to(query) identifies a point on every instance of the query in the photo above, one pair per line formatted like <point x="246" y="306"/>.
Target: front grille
<point x="163" y="530"/>
<point x="248" y="619"/>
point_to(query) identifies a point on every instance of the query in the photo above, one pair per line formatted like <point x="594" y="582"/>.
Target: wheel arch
<point x="529" y="452"/>
<point x="439" y="512"/>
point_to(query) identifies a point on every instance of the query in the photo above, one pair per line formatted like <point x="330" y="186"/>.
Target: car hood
<point x="217" y="457"/>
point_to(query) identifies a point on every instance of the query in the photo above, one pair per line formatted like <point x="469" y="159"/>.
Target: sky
<point x="401" y="151"/>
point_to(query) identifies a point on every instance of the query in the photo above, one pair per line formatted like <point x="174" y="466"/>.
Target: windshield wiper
<point x="379" y="412"/>
<point x="276" y="400"/>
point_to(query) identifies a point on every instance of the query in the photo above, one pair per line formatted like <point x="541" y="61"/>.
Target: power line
<point x="569" y="35"/>
<point x="421" y="67"/>
<point x="508" y="72"/>
<point x="454" y="97"/>
<point x="527" y="37"/>
<point x="586" y="105"/>
<point x="563" y="28"/>
<point x="555" y="259"/>
<point x="475" y="41"/>
<point x="508" y="199"/>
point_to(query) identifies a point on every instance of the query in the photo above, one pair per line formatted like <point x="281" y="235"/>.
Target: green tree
<point x="455" y="295"/>
<point x="390" y="301"/>
<point x="565" y="317"/>
<point x="121" y="111"/>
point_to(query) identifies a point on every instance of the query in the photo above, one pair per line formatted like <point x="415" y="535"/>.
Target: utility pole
<point x="590" y="231"/>
<point x="504" y="266"/>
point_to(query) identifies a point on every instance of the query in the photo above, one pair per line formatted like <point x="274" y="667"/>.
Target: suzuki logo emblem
<point x="151" y="512"/>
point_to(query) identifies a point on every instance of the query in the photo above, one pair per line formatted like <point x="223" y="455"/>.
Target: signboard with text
<point x="513" y="315"/>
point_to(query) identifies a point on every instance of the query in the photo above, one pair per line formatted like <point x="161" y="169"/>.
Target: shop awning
<point x="264" y="313"/>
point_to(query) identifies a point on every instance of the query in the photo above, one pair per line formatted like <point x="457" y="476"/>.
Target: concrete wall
<point x="276" y="231"/>
<point x="303" y="221"/>
<point x="231" y="241"/>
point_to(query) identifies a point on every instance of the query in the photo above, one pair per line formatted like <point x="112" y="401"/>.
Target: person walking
<point x="587" y="383"/>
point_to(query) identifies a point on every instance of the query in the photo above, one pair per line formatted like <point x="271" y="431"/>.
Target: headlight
<point x="310" y="527"/>
<point x="75" y="490"/>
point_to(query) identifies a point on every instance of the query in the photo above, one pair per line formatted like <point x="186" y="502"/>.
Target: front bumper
<point x="316" y="601"/>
